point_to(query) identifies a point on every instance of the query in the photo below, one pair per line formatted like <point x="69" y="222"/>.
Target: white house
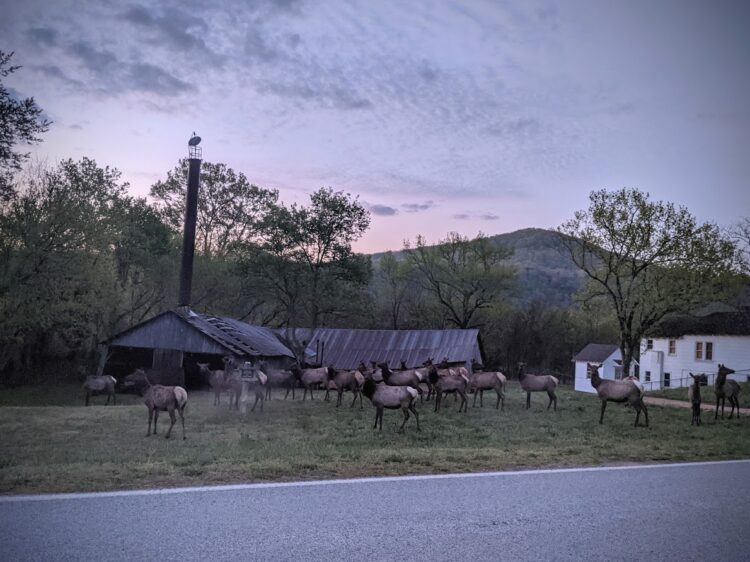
<point x="696" y="344"/>
<point x="607" y="356"/>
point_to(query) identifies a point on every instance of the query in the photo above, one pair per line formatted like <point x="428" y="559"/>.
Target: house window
<point x="647" y="376"/>
<point x="709" y="351"/>
<point x="649" y="344"/>
<point x="667" y="378"/>
<point x="672" y="347"/>
<point x="699" y="350"/>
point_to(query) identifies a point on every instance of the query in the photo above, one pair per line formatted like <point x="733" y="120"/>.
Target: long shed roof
<point x="189" y="331"/>
<point x="344" y="348"/>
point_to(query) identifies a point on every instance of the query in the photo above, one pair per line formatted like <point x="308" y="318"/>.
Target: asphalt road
<point x="679" y="512"/>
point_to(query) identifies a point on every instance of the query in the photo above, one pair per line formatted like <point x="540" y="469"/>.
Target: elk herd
<point x="387" y="388"/>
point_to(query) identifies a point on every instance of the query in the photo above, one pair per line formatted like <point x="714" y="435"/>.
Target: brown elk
<point x="537" y="383"/>
<point x="347" y="380"/>
<point x="233" y="381"/>
<point x="278" y="378"/>
<point x="617" y="391"/>
<point x="253" y="382"/>
<point x="694" y="394"/>
<point x="384" y="397"/>
<point x="215" y="380"/>
<point x="94" y="386"/>
<point x="447" y="381"/>
<point x="481" y="381"/>
<point x="401" y="378"/>
<point x="160" y="398"/>
<point x="726" y="388"/>
<point x="310" y="379"/>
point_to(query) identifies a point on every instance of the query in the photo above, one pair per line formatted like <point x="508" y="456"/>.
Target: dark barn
<point x="173" y="342"/>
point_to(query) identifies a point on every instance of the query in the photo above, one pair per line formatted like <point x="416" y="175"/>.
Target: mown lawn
<point x="67" y="447"/>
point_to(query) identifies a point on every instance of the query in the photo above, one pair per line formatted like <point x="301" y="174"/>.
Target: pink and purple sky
<point x="440" y="116"/>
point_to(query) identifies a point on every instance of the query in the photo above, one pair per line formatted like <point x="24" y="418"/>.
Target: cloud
<point x="172" y="25"/>
<point x="461" y="216"/>
<point x="257" y="48"/>
<point x="95" y="60"/>
<point x="55" y="72"/>
<point x="43" y="35"/>
<point x="416" y="207"/>
<point x="383" y="210"/>
<point x="489" y="217"/>
<point x="520" y="126"/>
<point x="149" y="78"/>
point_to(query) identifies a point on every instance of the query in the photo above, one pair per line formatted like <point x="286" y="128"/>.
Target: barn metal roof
<point x="344" y="348"/>
<point x="237" y="338"/>
<point x="595" y="352"/>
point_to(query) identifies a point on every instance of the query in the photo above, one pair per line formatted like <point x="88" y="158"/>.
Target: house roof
<point x="595" y="352"/>
<point x="735" y="323"/>
<point x="344" y="348"/>
<point x="220" y="334"/>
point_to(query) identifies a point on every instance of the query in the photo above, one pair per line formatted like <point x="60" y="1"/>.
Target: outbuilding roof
<point x="595" y="352"/>
<point x="344" y="348"/>
<point x="190" y="331"/>
<point x="735" y="323"/>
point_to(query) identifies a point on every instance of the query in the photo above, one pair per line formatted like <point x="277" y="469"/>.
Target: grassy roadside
<point x="67" y="447"/>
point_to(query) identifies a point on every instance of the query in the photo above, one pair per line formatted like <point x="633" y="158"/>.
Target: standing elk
<point x="448" y="381"/>
<point x="215" y="380"/>
<point x="617" y="391"/>
<point x="105" y="384"/>
<point x="347" y="380"/>
<point x="481" y="381"/>
<point x="310" y="379"/>
<point x="726" y="388"/>
<point x="278" y="378"/>
<point x="160" y="398"/>
<point x="401" y="378"/>
<point x="694" y="395"/>
<point x="537" y="383"/>
<point x="388" y="397"/>
<point x="253" y="382"/>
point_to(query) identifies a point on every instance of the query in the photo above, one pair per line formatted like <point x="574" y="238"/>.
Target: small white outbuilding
<point x="607" y="356"/>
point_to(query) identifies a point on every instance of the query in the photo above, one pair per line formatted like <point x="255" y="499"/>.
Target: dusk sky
<point x="440" y="116"/>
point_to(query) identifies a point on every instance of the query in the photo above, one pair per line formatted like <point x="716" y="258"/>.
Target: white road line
<point x="367" y="480"/>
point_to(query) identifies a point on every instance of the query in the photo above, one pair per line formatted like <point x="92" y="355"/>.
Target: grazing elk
<point x="537" y="383"/>
<point x="347" y="380"/>
<point x="94" y="386"/>
<point x="694" y="395"/>
<point x="310" y="379"/>
<point x="215" y="380"/>
<point x="388" y="397"/>
<point x="617" y="391"/>
<point x="160" y="398"/>
<point x="726" y="388"/>
<point x="447" y="381"/>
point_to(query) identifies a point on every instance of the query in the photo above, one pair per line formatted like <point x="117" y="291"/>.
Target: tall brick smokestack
<point x="191" y="213"/>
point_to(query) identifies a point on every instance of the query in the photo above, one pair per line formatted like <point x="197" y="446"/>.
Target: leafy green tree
<point x="463" y="276"/>
<point x="395" y="285"/>
<point x="647" y="258"/>
<point x="230" y="208"/>
<point x="21" y="121"/>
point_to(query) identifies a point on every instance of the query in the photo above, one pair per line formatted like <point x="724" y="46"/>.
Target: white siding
<point x="606" y="371"/>
<point x="732" y="351"/>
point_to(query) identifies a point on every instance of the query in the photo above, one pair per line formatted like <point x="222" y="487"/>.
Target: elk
<point x="617" y="391"/>
<point x="94" y="386"/>
<point x="347" y="380"/>
<point x="311" y="378"/>
<point x="160" y="398"/>
<point x="726" y="388"/>
<point x="278" y="378"/>
<point x="215" y="379"/>
<point x="253" y="381"/>
<point x="481" y="381"/>
<point x="384" y="397"/>
<point x="694" y="394"/>
<point x="400" y="378"/>
<point x="537" y="383"/>
<point x="232" y="381"/>
<point x="446" y="381"/>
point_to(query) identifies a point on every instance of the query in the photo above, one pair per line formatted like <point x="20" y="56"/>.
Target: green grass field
<point x="51" y="443"/>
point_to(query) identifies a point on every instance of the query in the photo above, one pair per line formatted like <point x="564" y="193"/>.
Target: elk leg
<point x="108" y="397"/>
<point x="464" y="402"/>
<point x="474" y="403"/>
<point x="716" y="415"/>
<point x="637" y="413"/>
<point x="645" y="411"/>
<point x="723" y="403"/>
<point x="416" y="415"/>
<point x="528" y="400"/>
<point x="173" y="419"/>
<point x="182" y="419"/>
<point x="380" y="412"/>
<point x="438" y="395"/>
<point x="287" y="393"/>
<point x="150" y="418"/>
<point x="604" y="407"/>
<point x="355" y="399"/>
<point x="376" y="420"/>
<point x="406" y="417"/>
<point x="481" y="398"/>
<point x="156" y="419"/>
